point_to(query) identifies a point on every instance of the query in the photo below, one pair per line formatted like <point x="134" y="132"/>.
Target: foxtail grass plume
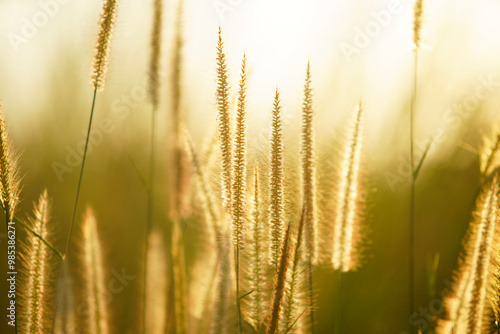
<point x="36" y="291"/>
<point x="309" y="169"/>
<point x="349" y="200"/>
<point x="418" y="12"/>
<point x="156" y="292"/>
<point x="103" y="44"/>
<point x="179" y="177"/>
<point x="177" y="184"/>
<point x="224" y="121"/>
<point x="469" y="307"/>
<point x="154" y="65"/>
<point x="98" y="318"/>
<point x="238" y="182"/>
<point x="256" y="256"/>
<point x="176" y="76"/>
<point x="276" y="181"/>
<point x="9" y="179"/>
<point x="154" y="83"/>
<point x="240" y="163"/>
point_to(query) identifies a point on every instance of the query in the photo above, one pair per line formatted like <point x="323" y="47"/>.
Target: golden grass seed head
<point x="309" y="169"/>
<point x="224" y="121"/>
<point x="276" y="181"/>
<point x="156" y="40"/>
<point x="256" y="257"/>
<point x="418" y="12"/>
<point x="103" y="43"/>
<point x="239" y="168"/>
<point x="36" y="289"/>
<point x="349" y="206"/>
<point x="468" y="305"/>
<point x="9" y="177"/>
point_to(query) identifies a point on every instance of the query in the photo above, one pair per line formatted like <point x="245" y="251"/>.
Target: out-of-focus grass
<point x="46" y="99"/>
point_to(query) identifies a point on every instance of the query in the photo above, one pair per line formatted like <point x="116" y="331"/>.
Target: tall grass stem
<point x="71" y="226"/>
<point x="412" y="195"/>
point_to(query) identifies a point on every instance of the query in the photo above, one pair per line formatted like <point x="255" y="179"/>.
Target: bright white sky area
<point x="358" y="49"/>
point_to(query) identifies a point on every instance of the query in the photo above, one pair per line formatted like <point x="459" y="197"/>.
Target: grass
<point x="154" y="69"/>
<point x="246" y="235"/>
<point x="417" y="30"/>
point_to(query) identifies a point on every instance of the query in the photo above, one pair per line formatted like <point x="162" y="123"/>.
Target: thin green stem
<point x="412" y="197"/>
<point x="149" y="214"/>
<point x="246" y="294"/>
<point x="422" y="159"/>
<point x="29" y="229"/>
<point x="339" y="305"/>
<point x="71" y="226"/>
<point x="81" y="175"/>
